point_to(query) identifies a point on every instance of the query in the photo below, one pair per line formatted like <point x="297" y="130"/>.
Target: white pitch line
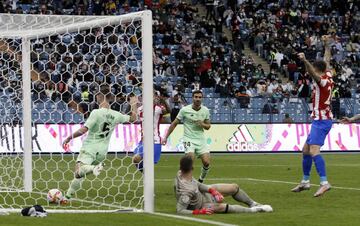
<point x="73" y="199"/>
<point x="261" y="180"/>
<point x="5" y="189"/>
<point x="267" y="165"/>
<point x="288" y="182"/>
<point x="193" y="219"/>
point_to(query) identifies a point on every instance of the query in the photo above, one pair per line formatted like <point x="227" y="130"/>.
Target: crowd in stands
<point x="192" y="52"/>
<point x="278" y="30"/>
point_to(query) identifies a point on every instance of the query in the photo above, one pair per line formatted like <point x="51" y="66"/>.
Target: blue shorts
<point x="319" y="131"/>
<point x="139" y="150"/>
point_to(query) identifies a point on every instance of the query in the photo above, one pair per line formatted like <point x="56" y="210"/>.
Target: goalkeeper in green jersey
<point x="196" y="119"/>
<point x="100" y="125"/>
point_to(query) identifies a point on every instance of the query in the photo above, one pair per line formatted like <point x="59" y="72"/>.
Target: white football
<point x="54" y="196"/>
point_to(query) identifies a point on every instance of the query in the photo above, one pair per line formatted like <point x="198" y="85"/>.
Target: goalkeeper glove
<point x="207" y="211"/>
<point x="217" y="195"/>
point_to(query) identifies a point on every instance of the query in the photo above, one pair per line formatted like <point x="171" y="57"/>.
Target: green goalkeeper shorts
<point x="197" y="149"/>
<point x="90" y="158"/>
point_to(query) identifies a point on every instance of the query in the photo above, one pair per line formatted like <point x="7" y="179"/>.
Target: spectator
<point x="177" y="103"/>
<point x="242" y="97"/>
<point x="272" y="87"/>
<point x="195" y="86"/>
<point x="288" y="119"/>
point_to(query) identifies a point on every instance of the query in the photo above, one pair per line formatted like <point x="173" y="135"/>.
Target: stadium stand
<point x="192" y="52"/>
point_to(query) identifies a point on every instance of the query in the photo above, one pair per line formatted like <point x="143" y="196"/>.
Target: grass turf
<point x="263" y="177"/>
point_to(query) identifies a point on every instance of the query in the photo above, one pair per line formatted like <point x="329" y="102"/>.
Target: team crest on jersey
<point x="185" y="199"/>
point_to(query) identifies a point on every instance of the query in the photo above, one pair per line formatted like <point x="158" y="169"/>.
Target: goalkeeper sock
<point x="320" y="168"/>
<point x="239" y="209"/>
<point x="306" y="164"/>
<point x="241" y="196"/>
<point x="85" y="169"/>
<point x="204" y="172"/>
<point x="74" y="186"/>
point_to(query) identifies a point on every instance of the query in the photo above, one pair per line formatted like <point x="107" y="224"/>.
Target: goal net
<point x="52" y="68"/>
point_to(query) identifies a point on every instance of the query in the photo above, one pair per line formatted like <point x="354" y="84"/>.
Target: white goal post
<point x="28" y="167"/>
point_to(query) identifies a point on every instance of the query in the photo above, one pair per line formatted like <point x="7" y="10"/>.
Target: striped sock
<point x="204" y="172"/>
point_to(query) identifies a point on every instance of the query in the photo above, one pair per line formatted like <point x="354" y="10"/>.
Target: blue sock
<point x="140" y="166"/>
<point x="307" y="163"/>
<point x="320" y="167"/>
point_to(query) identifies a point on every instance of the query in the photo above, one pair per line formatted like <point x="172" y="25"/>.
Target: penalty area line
<point x="294" y="183"/>
<point x="192" y="219"/>
<point x="264" y="181"/>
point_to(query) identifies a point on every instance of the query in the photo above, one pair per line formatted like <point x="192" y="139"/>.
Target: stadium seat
<point x="67" y="117"/>
<point x="188" y="95"/>
<point x="132" y="63"/>
<point x="44" y="117"/>
<point x="211" y="103"/>
<point x="157" y="79"/>
<point x="61" y="106"/>
<point x="265" y="118"/>
<point x="78" y="118"/>
<point x="39" y="106"/>
<point x="239" y="118"/>
<point x="55" y="117"/>
<point x="257" y="118"/>
<point x="35" y="116"/>
<point x="129" y="89"/>
<point x="239" y="111"/>
<point x="25" y="7"/>
<point x="49" y="105"/>
<point x="225" y="118"/>
<point x="216" y="117"/>
<point x="226" y="110"/>
<point x="250" y="118"/>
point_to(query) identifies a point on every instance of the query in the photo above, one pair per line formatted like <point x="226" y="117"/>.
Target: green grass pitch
<point x="266" y="178"/>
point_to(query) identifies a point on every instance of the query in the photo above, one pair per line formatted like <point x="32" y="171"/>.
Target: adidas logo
<point x="242" y="140"/>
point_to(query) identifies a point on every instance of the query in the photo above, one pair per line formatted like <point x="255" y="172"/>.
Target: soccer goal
<point x="51" y="69"/>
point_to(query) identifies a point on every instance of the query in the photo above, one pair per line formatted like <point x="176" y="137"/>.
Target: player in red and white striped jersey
<point x="322" y="120"/>
<point x="321" y="97"/>
<point x="160" y="108"/>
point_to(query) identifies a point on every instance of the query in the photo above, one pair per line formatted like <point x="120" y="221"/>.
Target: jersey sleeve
<point x="121" y="118"/>
<point x="323" y="82"/>
<point x="182" y="204"/>
<point x="325" y="79"/>
<point x="90" y="122"/>
<point x="203" y="187"/>
<point x="180" y="115"/>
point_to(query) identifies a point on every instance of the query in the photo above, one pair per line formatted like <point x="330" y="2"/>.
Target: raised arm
<point x="133" y="108"/>
<point x="327" y="54"/>
<point x="166" y="106"/>
<point x="309" y="67"/>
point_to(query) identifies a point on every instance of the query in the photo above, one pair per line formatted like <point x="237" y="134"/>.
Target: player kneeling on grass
<point x="195" y="198"/>
<point x="100" y="125"/>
